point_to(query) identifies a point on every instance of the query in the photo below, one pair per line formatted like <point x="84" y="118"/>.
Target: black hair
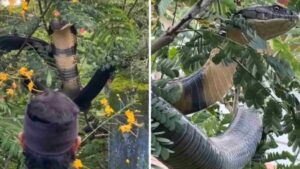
<point x="36" y="161"/>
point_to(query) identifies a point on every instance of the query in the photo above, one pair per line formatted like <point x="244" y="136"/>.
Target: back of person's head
<point x="50" y="137"/>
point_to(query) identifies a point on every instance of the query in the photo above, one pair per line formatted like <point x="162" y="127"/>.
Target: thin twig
<point x="124" y="4"/>
<point x="219" y="7"/>
<point x="236" y="99"/>
<point x="41" y="12"/>
<point x="133" y="6"/>
<point x="87" y="120"/>
<point x="175" y="12"/>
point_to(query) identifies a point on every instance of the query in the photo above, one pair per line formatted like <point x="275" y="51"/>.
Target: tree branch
<point x="197" y="9"/>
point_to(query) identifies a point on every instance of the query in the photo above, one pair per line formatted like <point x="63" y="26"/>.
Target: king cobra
<point x="64" y="48"/>
<point x="234" y="148"/>
<point x="82" y="98"/>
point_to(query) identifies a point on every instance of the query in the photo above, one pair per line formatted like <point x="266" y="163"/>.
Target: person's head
<point x="50" y="136"/>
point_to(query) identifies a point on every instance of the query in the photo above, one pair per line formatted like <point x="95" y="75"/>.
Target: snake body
<point x="234" y="148"/>
<point x="194" y="150"/>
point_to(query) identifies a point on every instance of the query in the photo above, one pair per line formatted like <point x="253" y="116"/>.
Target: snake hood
<point x="268" y="21"/>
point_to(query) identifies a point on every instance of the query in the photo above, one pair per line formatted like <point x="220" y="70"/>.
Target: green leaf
<point x="272" y="117"/>
<point x="282" y="69"/>
<point x="165" y="154"/>
<point x="172" y="53"/>
<point x="285" y="53"/>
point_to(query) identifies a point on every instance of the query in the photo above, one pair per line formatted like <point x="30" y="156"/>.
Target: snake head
<point x="270" y="21"/>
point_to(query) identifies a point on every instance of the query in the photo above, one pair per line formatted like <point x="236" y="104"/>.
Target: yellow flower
<point x="10" y="92"/>
<point x="77" y="164"/>
<point x="29" y="74"/>
<point x="24" y="5"/>
<point x="30" y="86"/>
<point x="25" y="72"/>
<point x="108" y="111"/>
<point x="130" y="117"/>
<point x="127" y="161"/>
<point x="104" y="102"/>
<point x="75" y="1"/>
<point x="3" y="76"/>
<point x="125" y="128"/>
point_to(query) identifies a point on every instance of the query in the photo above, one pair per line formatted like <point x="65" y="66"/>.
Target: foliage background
<point x="271" y="84"/>
<point x="110" y="33"/>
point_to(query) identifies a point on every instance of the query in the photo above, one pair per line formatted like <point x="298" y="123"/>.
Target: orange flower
<point x="130" y="117"/>
<point x="14" y="85"/>
<point x="3" y="76"/>
<point x="77" y="164"/>
<point x="56" y="13"/>
<point x="82" y="31"/>
<point x="104" y="102"/>
<point x="10" y="92"/>
<point x="108" y="111"/>
<point x="125" y="128"/>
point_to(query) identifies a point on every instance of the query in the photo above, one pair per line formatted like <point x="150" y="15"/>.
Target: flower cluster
<point x="3" y="78"/>
<point x="9" y="80"/>
<point x="131" y="120"/>
<point x="13" y="4"/>
<point x="130" y="116"/>
<point x="108" y="110"/>
<point x="28" y="74"/>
